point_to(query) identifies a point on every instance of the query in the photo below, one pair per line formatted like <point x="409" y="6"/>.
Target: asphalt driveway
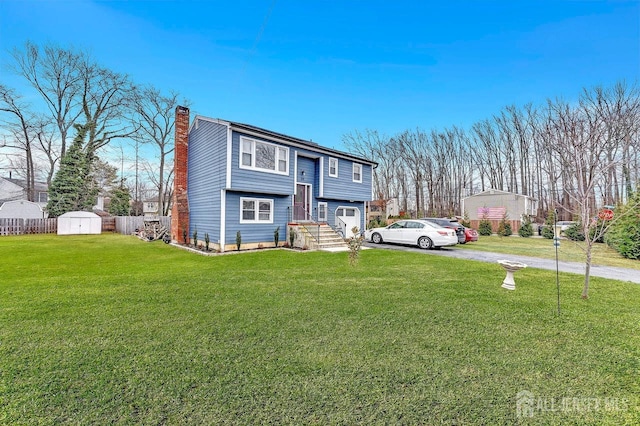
<point x="621" y="274"/>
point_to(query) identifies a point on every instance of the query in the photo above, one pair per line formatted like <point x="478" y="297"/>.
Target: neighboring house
<point x="232" y="177"/>
<point x="494" y="205"/>
<point x="16" y="189"/>
<point x="150" y="207"/>
<point x="381" y="209"/>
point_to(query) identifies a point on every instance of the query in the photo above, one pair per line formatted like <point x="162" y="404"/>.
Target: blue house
<point x="252" y="180"/>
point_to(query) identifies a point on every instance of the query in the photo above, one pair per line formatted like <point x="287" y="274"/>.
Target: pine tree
<point x="73" y="187"/>
<point x="526" y="229"/>
<point x="120" y="201"/>
<point x="548" y="231"/>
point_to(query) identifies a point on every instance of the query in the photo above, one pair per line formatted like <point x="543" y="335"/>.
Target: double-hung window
<point x="256" y="210"/>
<point x="357" y="172"/>
<point x="333" y="167"/>
<point x="263" y="156"/>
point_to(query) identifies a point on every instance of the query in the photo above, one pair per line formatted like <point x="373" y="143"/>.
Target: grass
<point x="569" y="251"/>
<point x="110" y="329"/>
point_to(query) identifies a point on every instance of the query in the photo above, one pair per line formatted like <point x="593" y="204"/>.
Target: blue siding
<point x="343" y="187"/>
<point x="206" y="177"/>
<point x="308" y="166"/>
<point x="255" y="180"/>
<point x="255" y="232"/>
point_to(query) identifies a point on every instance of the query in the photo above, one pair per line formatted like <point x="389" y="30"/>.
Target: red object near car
<point x="470" y="234"/>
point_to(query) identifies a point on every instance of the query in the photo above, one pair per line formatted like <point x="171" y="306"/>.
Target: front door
<point x="302" y="202"/>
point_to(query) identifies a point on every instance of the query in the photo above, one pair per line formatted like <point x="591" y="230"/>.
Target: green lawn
<point x="569" y="251"/>
<point x="110" y="329"/>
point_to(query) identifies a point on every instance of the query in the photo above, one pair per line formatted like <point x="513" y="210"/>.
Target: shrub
<point x="276" y="236"/>
<point x="292" y="236"/>
<point x="504" y="227"/>
<point x="624" y="233"/>
<point x="206" y="241"/>
<point x="354" y="243"/>
<point x="574" y="232"/>
<point x="195" y="236"/>
<point x="465" y="220"/>
<point x="376" y="223"/>
<point x="484" y="228"/>
<point x="238" y="240"/>
<point x="549" y="225"/>
<point x="526" y="230"/>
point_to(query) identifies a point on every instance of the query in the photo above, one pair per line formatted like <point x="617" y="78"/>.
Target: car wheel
<point x="425" y="243"/>
<point x="376" y="238"/>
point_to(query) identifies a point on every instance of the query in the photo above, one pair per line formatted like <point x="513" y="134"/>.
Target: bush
<point x="574" y="232"/>
<point x="355" y="244"/>
<point x="484" y="228"/>
<point x="238" y="240"/>
<point x="376" y="223"/>
<point x="624" y="234"/>
<point x="504" y="228"/>
<point x="292" y="236"/>
<point x="465" y="220"/>
<point x="549" y="225"/>
<point x="526" y="230"/>
<point x="276" y="236"/>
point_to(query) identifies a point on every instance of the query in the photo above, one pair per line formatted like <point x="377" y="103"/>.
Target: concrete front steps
<point x="323" y="238"/>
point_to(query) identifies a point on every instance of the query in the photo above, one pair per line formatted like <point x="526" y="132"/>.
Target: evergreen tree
<point x="73" y="187"/>
<point x="485" y="228"/>
<point x="548" y="231"/>
<point x="624" y="234"/>
<point x="526" y="230"/>
<point x="504" y="227"/>
<point x="120" y="201"/>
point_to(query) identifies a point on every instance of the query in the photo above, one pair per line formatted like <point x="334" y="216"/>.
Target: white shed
<point x="21" y="209"/>
<point x="72" y="223"/>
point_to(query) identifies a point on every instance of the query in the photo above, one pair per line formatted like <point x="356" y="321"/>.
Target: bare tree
<point x="588" y="155"/>
<point x="154" y="114"/>
<point x="20" y="128"/>
<point x="55" y="73"/>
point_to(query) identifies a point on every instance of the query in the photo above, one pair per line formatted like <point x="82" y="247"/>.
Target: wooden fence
<point x="121" y="224"/>
<point x="15" y="226"/>
<point x="128" y="224"/>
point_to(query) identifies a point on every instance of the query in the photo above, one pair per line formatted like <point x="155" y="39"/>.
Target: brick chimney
<point x="180" y="206"/>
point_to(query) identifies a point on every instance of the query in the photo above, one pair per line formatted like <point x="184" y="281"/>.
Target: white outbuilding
<point x="72" y="223"/>
<point x="22" y="209"/>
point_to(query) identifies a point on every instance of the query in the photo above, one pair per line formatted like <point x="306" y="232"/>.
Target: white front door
<point x="346" y="219"/>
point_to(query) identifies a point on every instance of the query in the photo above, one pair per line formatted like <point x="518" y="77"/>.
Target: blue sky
<point x="319" y="69"/>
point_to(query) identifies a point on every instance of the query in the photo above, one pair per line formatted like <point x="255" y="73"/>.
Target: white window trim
<point x="335" y="175"/>
<point x="326" y="212"/>
<point x="353" y="172"/>
<point x="253" y="156"/>
<point x="257" y="201"/>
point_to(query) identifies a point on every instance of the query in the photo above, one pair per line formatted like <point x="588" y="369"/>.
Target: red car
<point x="470" y="234"/>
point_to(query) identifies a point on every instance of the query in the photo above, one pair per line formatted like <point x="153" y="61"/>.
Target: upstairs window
<point x="357" y="172"/>
<point x="263" y="156"/>
<point x="333" y="167"/>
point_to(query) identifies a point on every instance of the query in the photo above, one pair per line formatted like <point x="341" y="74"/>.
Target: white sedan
<point x="424" y="234"/>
